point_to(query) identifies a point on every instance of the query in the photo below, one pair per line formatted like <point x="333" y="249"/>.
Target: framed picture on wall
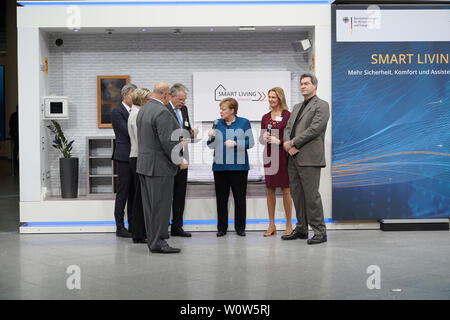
<point x="108" y="97"/>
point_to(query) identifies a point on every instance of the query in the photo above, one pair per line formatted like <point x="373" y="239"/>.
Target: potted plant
<point x="68" y="165"/>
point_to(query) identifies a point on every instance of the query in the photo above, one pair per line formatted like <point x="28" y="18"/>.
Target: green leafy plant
<point x="60" y="142"/>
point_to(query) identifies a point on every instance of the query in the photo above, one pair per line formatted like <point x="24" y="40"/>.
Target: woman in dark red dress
<point x="275" y="158"/>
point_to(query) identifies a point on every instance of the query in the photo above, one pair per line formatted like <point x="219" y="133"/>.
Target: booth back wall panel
<point x="148" y="58"/>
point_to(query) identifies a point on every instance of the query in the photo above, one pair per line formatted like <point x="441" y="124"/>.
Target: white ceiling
<point x="186" y="30"/>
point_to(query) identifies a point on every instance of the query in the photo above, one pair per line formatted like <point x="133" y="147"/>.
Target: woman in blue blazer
<point x="230" y="138"/>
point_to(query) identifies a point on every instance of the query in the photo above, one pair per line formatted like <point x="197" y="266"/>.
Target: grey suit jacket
<point x="155" y="125"/>
<point x="310" y="132"/>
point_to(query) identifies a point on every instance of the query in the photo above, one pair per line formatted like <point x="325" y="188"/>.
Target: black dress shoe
<point x="179" y="232"/>
<point x="123" y="233"/>
<point x="241" y="233"/>
<point x="295" y="235"/>
<point x="165" y="249"/>
<point x="221" y="233"/>
<point x="139" y="241"/>
<point x="165" y="236"/>
<point x="317" y="239"/>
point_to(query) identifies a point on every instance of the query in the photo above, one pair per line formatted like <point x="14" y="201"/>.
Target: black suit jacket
<point x="122" y="145"/>
<point x="186" y="125"/>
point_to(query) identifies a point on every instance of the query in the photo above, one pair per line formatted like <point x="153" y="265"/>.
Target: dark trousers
<point x="237" y="181"/>
<point x="179" y="198"/>
<point x="124" y="194"/>
<point x="138" y="227"/>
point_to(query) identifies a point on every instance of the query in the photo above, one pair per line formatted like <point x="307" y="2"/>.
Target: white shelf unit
<point x="101" y="175"/>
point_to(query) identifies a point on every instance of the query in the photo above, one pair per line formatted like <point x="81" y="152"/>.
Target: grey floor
<point x="412" y="265"/>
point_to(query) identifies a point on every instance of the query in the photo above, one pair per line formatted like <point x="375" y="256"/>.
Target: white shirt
<point x="132" y="131"/>
<point x="126" y="107"/>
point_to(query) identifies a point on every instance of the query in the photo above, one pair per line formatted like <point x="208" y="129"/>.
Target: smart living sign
<point x="248" y="88"/>
<point x="221" y="93"/>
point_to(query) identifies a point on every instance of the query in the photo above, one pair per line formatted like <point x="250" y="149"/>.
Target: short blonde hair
<point x="139" y="95"/>
<point x="230" y="103"/>
<point x="281" y="97"/>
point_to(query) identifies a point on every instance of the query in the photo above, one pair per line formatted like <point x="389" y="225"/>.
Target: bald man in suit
<point x="157" y="166"/>
<point x="306" y="156"/>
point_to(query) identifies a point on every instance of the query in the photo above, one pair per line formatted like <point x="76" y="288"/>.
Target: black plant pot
<point x="68" y="173"/>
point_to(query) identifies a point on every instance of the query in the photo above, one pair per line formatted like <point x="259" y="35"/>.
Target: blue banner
<point x="391" y="130"/>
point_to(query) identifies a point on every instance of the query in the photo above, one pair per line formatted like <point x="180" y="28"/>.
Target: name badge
<point x="186" y="124"/>
<point x="279" y="118"/>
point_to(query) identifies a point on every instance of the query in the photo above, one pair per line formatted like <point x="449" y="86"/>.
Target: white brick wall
<point x="148" y="58"/>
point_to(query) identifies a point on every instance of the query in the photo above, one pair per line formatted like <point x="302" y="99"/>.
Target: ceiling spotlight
<point x="76" y="30"/>
<point x="109" y="31"/>
<point x="248" y="28"/>
<point x="144" y="30"/>
<point x="177" y="31"/>
<point x="211" y="29"/>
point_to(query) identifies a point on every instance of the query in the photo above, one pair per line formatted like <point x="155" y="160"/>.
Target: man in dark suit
<point x="157" y="165"/>
<point x="306" y="156"/>
<point x="178" y="109"/>
<point x="121" y="157"/>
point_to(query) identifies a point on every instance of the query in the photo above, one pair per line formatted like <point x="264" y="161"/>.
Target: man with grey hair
<point x="306" y="156"/>
<point x="177" y="107"/>
<point x="155" y="127"/>
<point x="121" y="157"/>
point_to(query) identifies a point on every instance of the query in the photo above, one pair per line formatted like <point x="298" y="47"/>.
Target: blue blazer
<point x="232" y="159"/>
<point x="122" y="145"/>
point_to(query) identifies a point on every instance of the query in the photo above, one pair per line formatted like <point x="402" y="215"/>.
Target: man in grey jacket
<point x="306" y="156"/>
<point x="157" y="165"/>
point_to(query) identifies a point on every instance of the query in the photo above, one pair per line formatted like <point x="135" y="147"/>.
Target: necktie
<point x="178" y="117"/>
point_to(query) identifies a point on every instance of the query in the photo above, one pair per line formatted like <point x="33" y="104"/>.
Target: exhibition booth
<point x="78" y="54"/>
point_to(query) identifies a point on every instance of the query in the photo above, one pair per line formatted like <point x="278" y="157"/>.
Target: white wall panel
<point x="29" y="114"/>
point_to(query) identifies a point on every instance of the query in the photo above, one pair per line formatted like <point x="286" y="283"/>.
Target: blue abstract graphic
<point x="391" y="133"/>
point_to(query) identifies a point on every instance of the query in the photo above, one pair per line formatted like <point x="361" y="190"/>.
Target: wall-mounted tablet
<point x="56" y="107"/>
